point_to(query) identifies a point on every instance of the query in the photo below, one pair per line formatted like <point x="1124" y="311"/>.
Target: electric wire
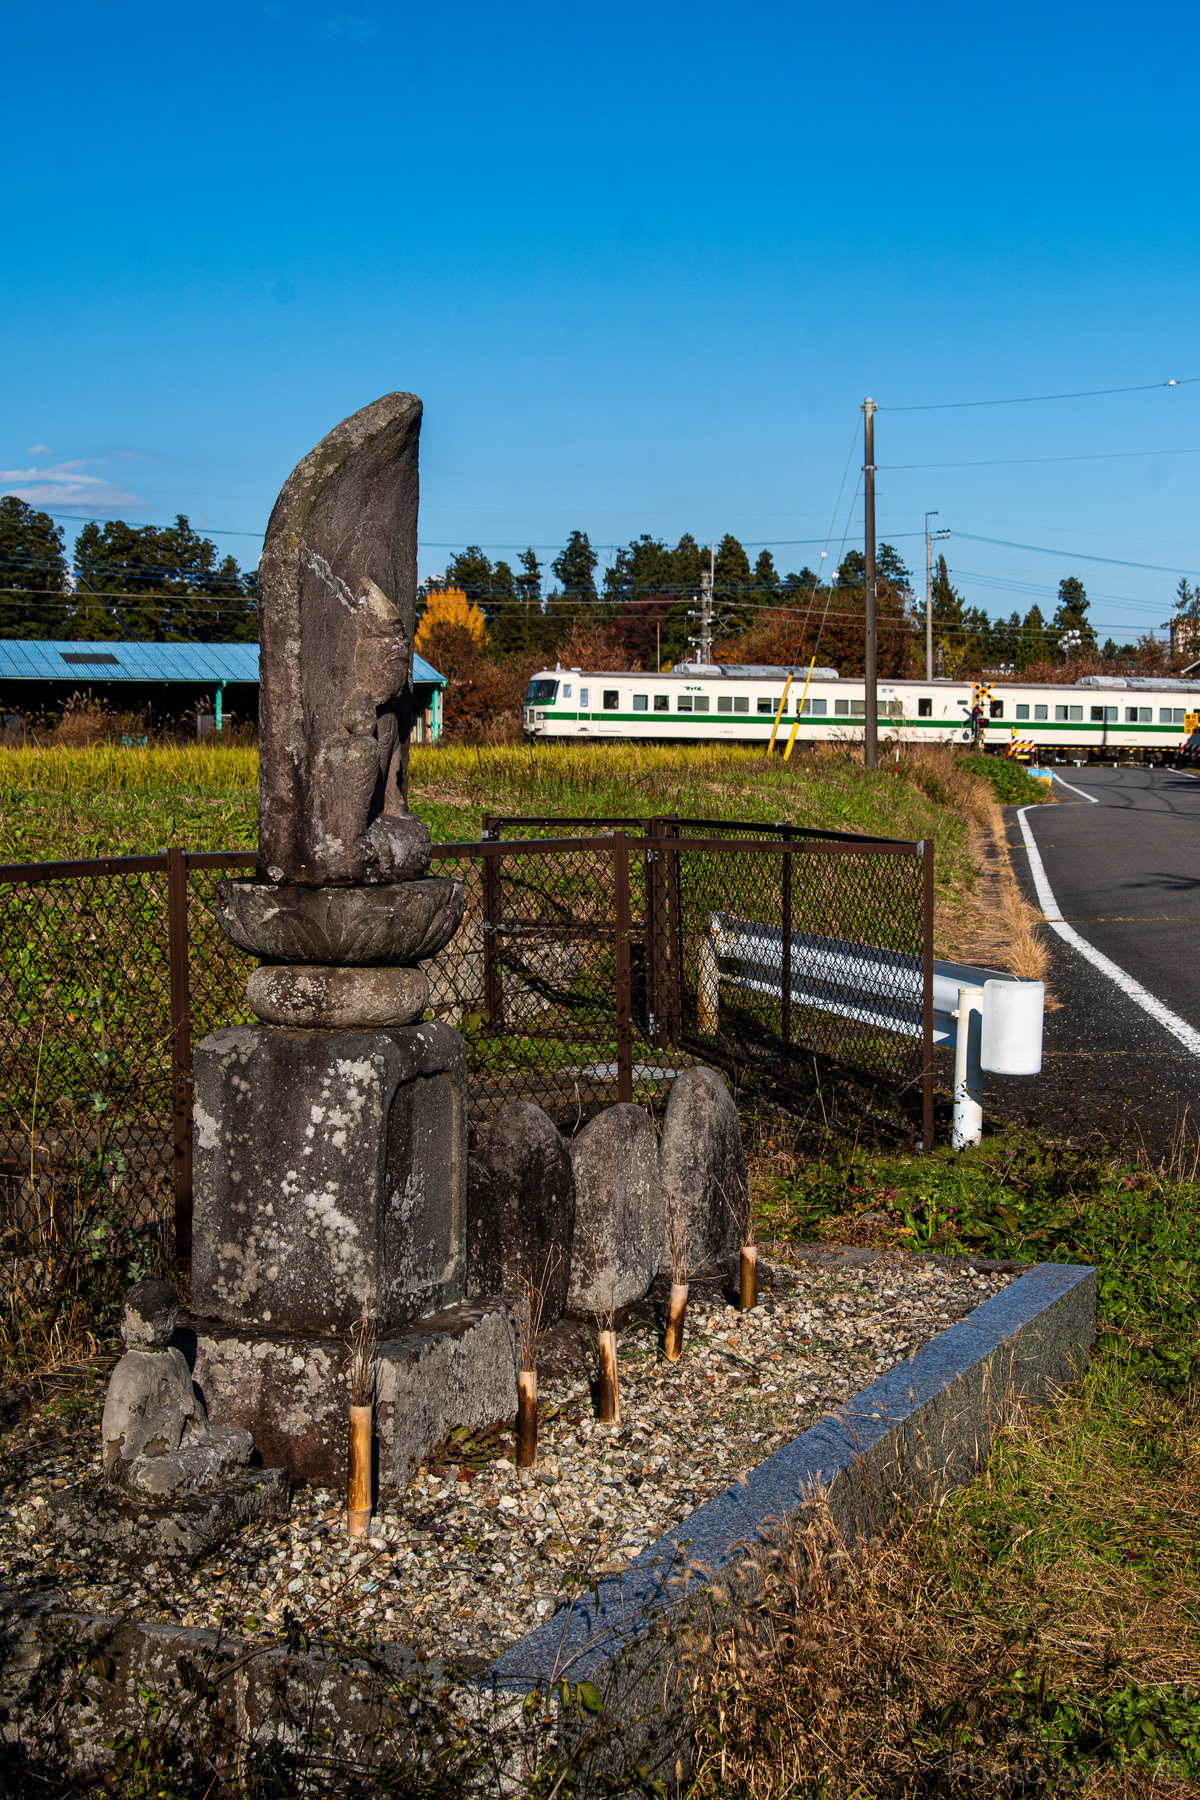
<point x="1142" y="387"/>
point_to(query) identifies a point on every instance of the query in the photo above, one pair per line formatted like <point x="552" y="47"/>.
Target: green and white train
<point x="1100" y="717"/>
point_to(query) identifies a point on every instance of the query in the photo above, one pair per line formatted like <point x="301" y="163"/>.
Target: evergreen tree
<point x="1070" y="621"/>
<point x="575" y="565"/>
<point x="471" y="572"/>
<point x="35" y="601"/>
<point x="1033" y="643"/>
<point x="159" y="584"/>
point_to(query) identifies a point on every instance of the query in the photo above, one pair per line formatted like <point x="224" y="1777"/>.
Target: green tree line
<point x="148" y="583"/>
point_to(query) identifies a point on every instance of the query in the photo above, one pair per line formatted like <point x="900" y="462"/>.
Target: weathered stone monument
<point x="330" y="1151"/>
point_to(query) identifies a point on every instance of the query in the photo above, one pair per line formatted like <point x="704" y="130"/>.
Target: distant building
<point x="172" y="682"/>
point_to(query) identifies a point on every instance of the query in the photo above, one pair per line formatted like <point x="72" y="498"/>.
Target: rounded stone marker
<point x="336" y="999"/>
<point x="148" y="1314"/>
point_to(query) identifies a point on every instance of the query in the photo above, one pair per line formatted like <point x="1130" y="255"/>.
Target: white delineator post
<point x="967" y="1125"/>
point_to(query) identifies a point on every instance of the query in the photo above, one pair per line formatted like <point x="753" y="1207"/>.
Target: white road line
<point x="1076" y="790"/>
<point x="1141" y="996"/>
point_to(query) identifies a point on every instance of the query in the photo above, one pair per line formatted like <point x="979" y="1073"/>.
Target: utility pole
<point x="871" y="721"/>
<point x="929" y="596"/>
<point x="929" y="537"/>
<point x="702" y="648"/>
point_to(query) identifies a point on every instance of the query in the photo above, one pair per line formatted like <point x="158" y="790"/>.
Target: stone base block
<point x="140" y="1530"/>
<point x="291" y="1392"/>
<point x="330" y="1170"/>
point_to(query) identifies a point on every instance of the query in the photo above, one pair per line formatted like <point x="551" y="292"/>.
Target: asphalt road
<point x="1124" y="866"/>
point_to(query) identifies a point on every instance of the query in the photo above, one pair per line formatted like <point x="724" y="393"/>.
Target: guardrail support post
<point x="785" y="959"/>
<point x="927" y="993"/>
<point x="624" y="995"/>
<point x="967" y="1127"/>
<point x="181" y="1049"/>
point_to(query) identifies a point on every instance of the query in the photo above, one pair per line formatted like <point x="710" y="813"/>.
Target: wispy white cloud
<point x="354" y="26"/>
<point x="66" y="485"/>
<point x="39" y="449"/>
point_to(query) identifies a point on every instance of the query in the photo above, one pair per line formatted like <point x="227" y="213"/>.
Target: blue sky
<point x="641" y="262"/>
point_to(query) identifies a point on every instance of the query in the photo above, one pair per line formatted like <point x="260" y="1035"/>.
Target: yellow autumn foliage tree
<point x="449" y="607"/>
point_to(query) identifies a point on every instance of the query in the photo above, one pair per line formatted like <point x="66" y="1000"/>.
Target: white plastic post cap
<point x="1011" y="1038"/>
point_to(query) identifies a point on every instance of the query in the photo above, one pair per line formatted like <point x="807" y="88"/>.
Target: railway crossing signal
<point x="981" y="691"/>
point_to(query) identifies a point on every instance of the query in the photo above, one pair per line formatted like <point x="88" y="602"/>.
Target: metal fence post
<point x="493" y="974"/>
<point x="181" y="1048"/>
<point x="624" y="997"/>
<point x="927" y="995"/>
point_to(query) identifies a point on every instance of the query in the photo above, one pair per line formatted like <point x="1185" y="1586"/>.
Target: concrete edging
<point x="922" y="1428"/>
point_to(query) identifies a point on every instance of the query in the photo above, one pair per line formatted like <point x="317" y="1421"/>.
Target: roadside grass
<point x="1039" y="1632"/>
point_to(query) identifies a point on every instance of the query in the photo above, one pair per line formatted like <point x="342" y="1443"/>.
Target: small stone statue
<point x="158" y="1442"/>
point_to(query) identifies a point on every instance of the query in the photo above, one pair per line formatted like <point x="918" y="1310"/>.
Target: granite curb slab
<point x="920" y="1429"/>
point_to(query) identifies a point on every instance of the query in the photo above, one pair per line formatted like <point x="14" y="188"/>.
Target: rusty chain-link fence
<point x="587" y="969"/>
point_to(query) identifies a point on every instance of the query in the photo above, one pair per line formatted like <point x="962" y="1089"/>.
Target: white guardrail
<point x="993" y="1021"/>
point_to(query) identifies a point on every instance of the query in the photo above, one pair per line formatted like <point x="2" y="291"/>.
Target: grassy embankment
<point x="1040" y="1633"/>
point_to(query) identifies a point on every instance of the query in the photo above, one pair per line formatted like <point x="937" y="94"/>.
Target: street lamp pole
<point x="929" y="597"/>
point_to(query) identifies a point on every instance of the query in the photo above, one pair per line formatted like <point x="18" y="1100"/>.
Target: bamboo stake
<point x="749" y="1277"/>
<point x="673" y="1336"/>
<point x="610" y="1398"/>
<point x="527" y="1418"/>
<point x="359" y="1508"/>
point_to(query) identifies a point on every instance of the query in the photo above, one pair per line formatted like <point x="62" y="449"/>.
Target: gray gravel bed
<point x="469" y="1558"/>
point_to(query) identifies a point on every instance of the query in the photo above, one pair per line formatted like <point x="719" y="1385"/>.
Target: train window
<point x="662" y="702"/>
<point x="1076" y="713"/>
<point x="858" y="709"/>
<point x="612" y="699"/>
<point x="701" y="702"/>
<point x="741" y="703"/>
<point x="768" y="705"/>
<point x="1104" y="715"/>
<point x="1060" y="712"/>
<point x="1041" y="712"/>
<point x="566" y="693"/>
<point x="1164" y="715"/>
<point x="1178" y="719"/>
<point x="924" y="709"/>
<point x="541" y="693"/>
<point x="1022" y="712"/>
<point x="1097" y="715"/>
<point x="895" y="709"/>
<point x="841" y="708"/>
<point x="724" y="703"/>
<point x="684" y="703"/>
<point x="997" y="709"/>
<point x="583" y="696"/>
<point x="641" y="702"/>
<point x="1145" y="715"/>
<point x="1131" y="713"/>
<point x="817" y="708"/>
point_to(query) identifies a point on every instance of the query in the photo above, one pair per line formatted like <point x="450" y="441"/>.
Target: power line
<point x="1004" y="462"/>
<point x="1115" y="562"/>
<point x="1143" y="387"/>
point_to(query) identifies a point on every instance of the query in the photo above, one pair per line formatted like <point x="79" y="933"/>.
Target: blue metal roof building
<point x="172" y="679"/>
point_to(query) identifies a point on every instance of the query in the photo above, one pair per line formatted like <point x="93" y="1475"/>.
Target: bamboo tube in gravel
<point x="359" y="1506"/>
<point x="673" y="1336"/>
<point x="527" y="1418"/>
<point x="749" y="1277"/>
<point x="358" y="1460"/>
<point x="610" y="1398"/>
